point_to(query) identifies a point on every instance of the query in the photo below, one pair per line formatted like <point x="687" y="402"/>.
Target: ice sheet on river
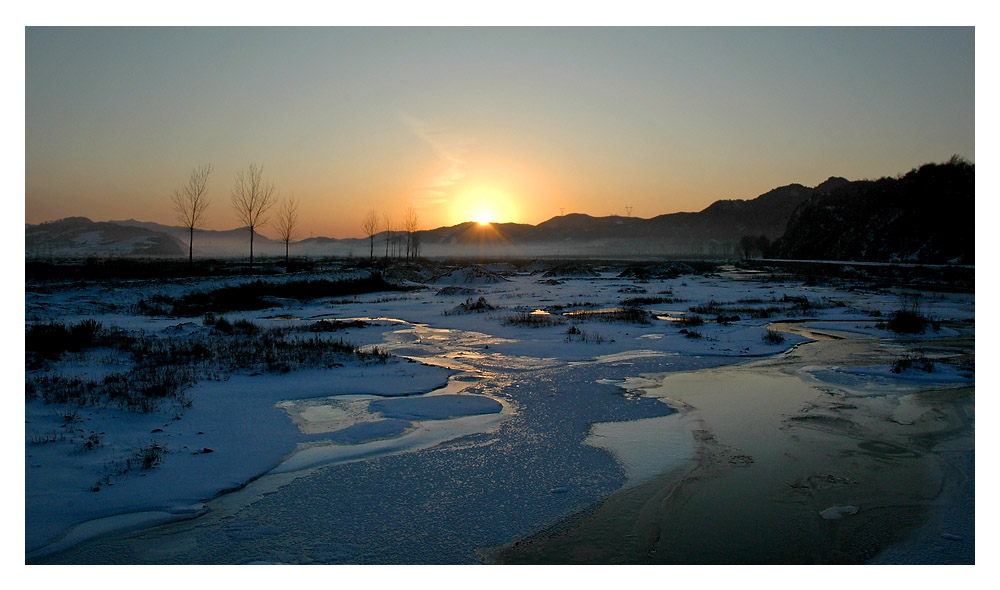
<point x="882" y="380"/>
<point x="436" y="407"/>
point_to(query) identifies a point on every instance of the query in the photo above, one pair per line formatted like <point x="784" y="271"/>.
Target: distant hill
<point x="214" y="243"/>
<point x="713" y="231"/>
<point x="79" y="236"/>
<point x="925" y="216"/>
<point x="716" y="230"/>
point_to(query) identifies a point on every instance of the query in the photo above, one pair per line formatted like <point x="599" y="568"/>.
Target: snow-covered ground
<point x="492" y="418"/>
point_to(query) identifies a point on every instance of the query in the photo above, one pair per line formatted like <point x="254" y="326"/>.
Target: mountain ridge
<point x="926" y="216"/>
<point x="713" y="230"/>
<point x="837" y="219"/>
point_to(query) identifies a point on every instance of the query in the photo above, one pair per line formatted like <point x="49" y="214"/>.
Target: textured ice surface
<point x="436" y="407"/>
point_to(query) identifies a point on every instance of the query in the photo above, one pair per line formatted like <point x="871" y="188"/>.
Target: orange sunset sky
<point x="467" y="123"/>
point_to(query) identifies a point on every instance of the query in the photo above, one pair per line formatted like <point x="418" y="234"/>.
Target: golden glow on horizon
<point x="484" y="205"/>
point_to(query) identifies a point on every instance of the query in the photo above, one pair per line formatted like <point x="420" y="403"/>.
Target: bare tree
<point x="370" y="226"/>
<point x="387" y="224"/>
<point x="415" y="245"/>
<point x="398" y="243"/>
<point x="190" y="203"/>
<point x="252" y="198"/>
<point x="288" y="217"/>
<point x="410" y="224"/>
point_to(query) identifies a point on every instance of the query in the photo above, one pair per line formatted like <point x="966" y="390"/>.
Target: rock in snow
<point x="835" y="512"/>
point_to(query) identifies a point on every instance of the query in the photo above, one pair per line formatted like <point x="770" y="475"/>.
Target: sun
<point x="484" y="216"/>
<point x="483" y="205"/>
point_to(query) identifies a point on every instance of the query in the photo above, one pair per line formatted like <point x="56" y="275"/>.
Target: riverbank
<point x="790" y="468"/>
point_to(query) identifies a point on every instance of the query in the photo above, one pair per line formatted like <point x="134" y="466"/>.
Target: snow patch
<point x="430" y="433"/>
<point x="471" y="275"/>
<point x="880" y="379"/>
<point x="645" y="448"/>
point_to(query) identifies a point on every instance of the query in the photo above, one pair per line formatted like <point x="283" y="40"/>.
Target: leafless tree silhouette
<point x="387" y="224"/>
<point x="410" y="224"/>
<point x="190" y="202"/>
<point x="288" y="217"/>
<point x="370" y="226"/>
<point x="252" y="198"/>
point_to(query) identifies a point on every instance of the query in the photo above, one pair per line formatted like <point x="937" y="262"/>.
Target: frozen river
<point x="558" y="433"/>
<point x="437" y="504"/>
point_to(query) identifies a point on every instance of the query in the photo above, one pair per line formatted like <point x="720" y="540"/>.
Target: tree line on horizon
<point x="401" y="239"/>
<point x="253" y="198"/>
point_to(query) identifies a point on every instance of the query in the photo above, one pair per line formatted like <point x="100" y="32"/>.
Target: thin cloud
<point x="450" y="148"/>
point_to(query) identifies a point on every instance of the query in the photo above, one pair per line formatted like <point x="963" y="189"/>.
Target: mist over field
<point x="888" y="220"/>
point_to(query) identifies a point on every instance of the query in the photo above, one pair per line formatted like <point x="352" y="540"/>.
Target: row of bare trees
<point x="252" y="199"/>
<point x="396" y="236"/>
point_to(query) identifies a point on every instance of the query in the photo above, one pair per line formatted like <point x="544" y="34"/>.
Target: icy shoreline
<point x="767" y="418"/>
<point x="246" y="435"/>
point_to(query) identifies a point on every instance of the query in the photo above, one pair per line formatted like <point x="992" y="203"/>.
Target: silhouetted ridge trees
<point x="926" y="216"/>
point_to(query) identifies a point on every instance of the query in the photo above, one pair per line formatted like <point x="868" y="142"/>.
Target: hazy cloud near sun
<point x="452" y="149"/>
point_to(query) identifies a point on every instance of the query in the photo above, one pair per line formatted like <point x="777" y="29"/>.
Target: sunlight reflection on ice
<point x="370" y="430"/>
<point x="626" y="355"/>
<point x="430" y="433"/>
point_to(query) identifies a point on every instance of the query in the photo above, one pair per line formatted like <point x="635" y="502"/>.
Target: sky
<point x="478" y="123"/>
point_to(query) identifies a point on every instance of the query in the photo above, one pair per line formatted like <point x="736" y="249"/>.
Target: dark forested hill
<point x="927" y="216"/>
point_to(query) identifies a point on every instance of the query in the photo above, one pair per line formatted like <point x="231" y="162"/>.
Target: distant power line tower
<point x="628" y="210"/>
